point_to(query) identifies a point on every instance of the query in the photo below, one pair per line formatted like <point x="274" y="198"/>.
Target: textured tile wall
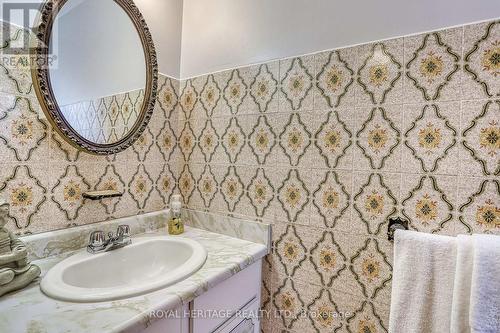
<point x="327" y="147"/>
<point x="105" y="119"/>
<point x="43" y="177"/>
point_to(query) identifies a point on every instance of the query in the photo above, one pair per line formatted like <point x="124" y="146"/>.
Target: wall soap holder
<point x="99" y="195"/>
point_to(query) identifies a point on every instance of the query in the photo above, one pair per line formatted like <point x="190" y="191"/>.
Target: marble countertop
<point x="30" y="311"/>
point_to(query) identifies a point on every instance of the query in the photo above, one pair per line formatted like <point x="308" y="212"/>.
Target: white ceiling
<point x="195" y="37"/>
<point x="222" y="34"/>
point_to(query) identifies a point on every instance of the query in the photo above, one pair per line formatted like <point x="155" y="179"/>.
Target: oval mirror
<point x="96" y="73"/>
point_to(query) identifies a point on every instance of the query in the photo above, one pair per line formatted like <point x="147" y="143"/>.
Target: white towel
<point x="485" y="286"/>
<point x="461" y="287"/>
<point x="422" y="286"/>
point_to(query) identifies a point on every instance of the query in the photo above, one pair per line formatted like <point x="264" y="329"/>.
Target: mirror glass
<point x="99" y="75"/>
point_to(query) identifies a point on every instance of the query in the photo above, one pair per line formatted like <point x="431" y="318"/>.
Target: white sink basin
<point x="149" y="263"/>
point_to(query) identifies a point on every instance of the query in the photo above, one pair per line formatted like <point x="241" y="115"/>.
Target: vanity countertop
<point x="30" y="311"/>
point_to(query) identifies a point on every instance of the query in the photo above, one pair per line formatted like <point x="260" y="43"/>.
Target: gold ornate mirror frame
<point x="44" y="91"/>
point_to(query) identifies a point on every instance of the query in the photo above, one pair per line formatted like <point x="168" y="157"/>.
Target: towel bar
<point x="394" y="224"/>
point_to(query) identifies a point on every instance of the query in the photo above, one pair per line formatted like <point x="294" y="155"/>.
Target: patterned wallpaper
<point x="43" y="177"/>
<point x="106" y="119"/>
<point x="327" y="147"/>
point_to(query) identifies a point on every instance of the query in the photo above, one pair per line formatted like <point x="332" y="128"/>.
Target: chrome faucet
<point x="98" y="242"/>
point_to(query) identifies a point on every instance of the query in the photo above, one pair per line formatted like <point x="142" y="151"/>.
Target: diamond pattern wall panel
<point x="327" y="147"/>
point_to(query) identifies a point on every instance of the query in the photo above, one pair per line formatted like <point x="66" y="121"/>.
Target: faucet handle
<point x="97" y="238"/>
<point x="123" y="231"/>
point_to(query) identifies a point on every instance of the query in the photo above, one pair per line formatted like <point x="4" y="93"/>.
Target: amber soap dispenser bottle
<point x="175" y="225"/>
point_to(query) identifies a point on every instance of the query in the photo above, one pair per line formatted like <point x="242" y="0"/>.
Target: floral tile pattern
<point x="207" y="186"/>
<point x="291" y="250"/>
<point x="263" y="88"/>
<point x="430" y="137"/>
<point x="481" y="211"/>
<point x="333" y="139"/>
<point x="187" y="183"/>
<point x="334" y="78"/>
<point x="366" y="319"/>
<point x="296" y="83"/>
<point x="375" y="203"/>
<point x="371" y="267"/>
<point x="331" y="199"/>
<point x="140" y="186"/>
<point x="324" y="306"/>
<point x="481" y="135"/>
<point x="142" y="147"/>
<point x="482" y="54"/>
<point x="293" y="195"/>
<point x="208" y="141"/>
<point x="68" y="191"/>
<point x="167" y="96"/>
<point x="233" y="140"/>
<point x="262" y="139"/>
<point x="210" y="95"/>
<point x="232" y="188"/>
<point x="434" y="62"/>
<point x="328" y="259"/>
<point x="328" y="146"/>
<point x="21" y="131"/>
<point x="325" y="147"/>
<point x="166" y="184"/>
<point x="166" y="140"/>
<point x="287" y="298"/>
<point x="379" y="73"/>
<point x="260" y="192"/>
<point x="295" y="139"/>
<point x="26" y="195"/>
<point x="427" y="206"/>
<point x="187" y="141"/>
<point x="235" y="91"/>
<point x="378" y="138"/>
<point x="188" y="99"/>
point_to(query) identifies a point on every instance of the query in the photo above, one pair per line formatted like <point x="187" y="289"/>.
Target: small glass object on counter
<point x="175" y="224"/>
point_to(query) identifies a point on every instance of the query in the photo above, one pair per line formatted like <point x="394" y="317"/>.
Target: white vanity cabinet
<point x="230" y="307"/>
<point x="240" y="293"/>
<point x="171" y="325"/>
<point x="243" y="323"/>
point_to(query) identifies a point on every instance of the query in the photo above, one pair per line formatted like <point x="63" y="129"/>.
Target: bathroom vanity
<point x="232" y="306"/>
<point x="221" y="296"/>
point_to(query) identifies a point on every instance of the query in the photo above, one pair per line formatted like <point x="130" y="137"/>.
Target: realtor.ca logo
<point x="18" y="36"/>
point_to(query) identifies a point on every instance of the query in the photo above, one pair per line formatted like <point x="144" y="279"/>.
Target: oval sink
<point x="149" y="263"/>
